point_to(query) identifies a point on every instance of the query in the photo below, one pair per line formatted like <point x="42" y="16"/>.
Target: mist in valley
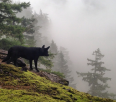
<point x="81" y="27"/>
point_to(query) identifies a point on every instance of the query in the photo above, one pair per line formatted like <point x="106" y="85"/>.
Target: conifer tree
<point x="43" y="22"/>
<point x="62" y="64"/>
<point x="68" y="67"/>
<point x="54" y="51"/>
<point x="53" y="47"/>
<point x="9" y="22"/>
<point x="30" y="21"/>
<point x="30" y="30"/>
<point x="96" y="79"/>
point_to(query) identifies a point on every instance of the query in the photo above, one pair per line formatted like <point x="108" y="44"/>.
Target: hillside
<point x="20" y="86"/>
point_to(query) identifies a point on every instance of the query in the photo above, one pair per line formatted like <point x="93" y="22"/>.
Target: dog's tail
<point x="8" y="55"/>
<point x="6" y="59"/>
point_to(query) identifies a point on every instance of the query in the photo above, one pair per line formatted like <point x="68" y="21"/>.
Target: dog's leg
<point x="15" y="61"/>
<point x="35" y="61"/>
<point x="8" y="61"/>
<point x="30" y="61"/>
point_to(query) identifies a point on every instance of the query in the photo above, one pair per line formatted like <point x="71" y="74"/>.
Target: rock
<point x="54" y="78"/>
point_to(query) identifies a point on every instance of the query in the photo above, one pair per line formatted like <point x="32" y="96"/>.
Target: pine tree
<point x="62" y="62"/>
<point x="54" y="51"/>
<point x="43" y="22"/>
<point x="63" y="68"/>
<point x="37" y="27"/>
<point x="68" y="68"/>
<point x="30" y="22"/>
<point x="96" y="80"/>
<point x="9" y="22"/>
<point x="53" y="47"/>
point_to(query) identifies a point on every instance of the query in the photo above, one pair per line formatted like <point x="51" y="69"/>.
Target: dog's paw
<point x="37" y="70"/>
<point x="30" y="69"/>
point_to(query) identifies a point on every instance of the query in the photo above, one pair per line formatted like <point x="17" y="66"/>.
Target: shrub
<point x="6" y="43"/>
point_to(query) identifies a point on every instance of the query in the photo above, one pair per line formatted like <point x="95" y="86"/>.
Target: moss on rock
<point x="19" y="86"/>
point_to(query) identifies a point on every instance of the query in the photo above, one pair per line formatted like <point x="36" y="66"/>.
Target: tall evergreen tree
<point x="43" y="22"/>
<point x="9" y="22"/>
<point x="63" y="68"/>
<point x="96" y="80"/>
<point x="54" y="51"/>
<point x="31" y="30"/>
<point x="69" y="64"/>
<point x="39" y="23"/>
<point x="53" y="47"/>
<point x="30" y="22"/>
<point x="62" y="62"/>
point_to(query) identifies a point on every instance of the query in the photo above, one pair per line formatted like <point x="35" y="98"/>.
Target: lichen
<point x="19" y="86"/>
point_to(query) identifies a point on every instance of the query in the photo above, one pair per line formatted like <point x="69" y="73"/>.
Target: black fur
<point x="29" y="53"/>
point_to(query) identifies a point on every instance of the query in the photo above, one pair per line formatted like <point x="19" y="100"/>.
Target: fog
<point x="82" y="26"/>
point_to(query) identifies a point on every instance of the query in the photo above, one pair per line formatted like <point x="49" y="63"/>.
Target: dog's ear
<point x="43" y="46"/>
<point x="48" y="47"/>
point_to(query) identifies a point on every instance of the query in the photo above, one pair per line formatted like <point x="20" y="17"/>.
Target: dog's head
<point x="45" y="50"/>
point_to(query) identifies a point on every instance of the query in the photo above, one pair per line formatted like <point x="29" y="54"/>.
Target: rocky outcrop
<point x="53" y="78"/>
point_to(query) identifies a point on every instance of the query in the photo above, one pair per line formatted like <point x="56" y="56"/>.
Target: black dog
<point x="29" y="53"/>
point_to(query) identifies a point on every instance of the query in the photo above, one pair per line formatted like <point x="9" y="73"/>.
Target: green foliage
<point x="62" y="62"/>
<point x="47" y="61"/>
<point x="19" y="86"/>
<point x="9" y="23"/>
<point x="6" y="43"/>
<point x="28" y="24"/>
<point x="29" y="40"/>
